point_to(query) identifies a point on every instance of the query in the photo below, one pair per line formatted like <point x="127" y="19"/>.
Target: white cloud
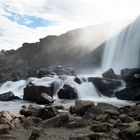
<point x="69" y="14"/>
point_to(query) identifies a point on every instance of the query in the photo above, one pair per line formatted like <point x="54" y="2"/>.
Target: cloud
<point x="27" y="21"/>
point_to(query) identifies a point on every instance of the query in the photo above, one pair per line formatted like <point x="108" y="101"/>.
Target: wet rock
<point x="44" y="99"/>
<point x="129" y="93"/>
<point x="103" y="127"/>
<point x="57" y="121"/>
<point x="67" y="92"/>
<point x="110" y="74"/>
<point x="104" y="85"/>
<point x="77" y="80"/>
<point x="128" y="74"/>
<point x="8" y="96"/>
<point x="81" y="107"/>
<point x="102" y="117"/>
<point x="32" y="92"/>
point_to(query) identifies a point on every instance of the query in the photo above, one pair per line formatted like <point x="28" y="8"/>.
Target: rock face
<point x="32" y="92"/>
<point x="104" y="85"/>
<point x="67" y="92"/>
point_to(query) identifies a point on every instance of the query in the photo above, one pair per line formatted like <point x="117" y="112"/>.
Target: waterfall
<point x="123" y="50"/>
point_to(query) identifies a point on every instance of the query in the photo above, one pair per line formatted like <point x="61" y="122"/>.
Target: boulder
<point x="77" y="80"/>
<point x="129" y="93"/>
<point x="130" y="133"/>
<point x="57" y="121"/>
<point x="126" y="119"/>
<point x="31" y="122"/>
<point x="67" y="92"/>
<point x="44" y="99"/>
<point x="81" y="107"/>
<point x="31" y="110"/>
<point x="104" y="85"/>
<point x="32" y="92"/>
<point x="8" y="96"/>
<point x="103" y="127"/>
<point x="110" y="74"/>
<point x="128" y="74"/>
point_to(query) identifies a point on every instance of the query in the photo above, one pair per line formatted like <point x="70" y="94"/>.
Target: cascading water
<point x="123" y="50"/>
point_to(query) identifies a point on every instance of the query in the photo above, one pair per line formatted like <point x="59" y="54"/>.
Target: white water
<point x="123" y="50"/>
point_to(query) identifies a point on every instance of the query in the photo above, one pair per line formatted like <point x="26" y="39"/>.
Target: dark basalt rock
<point x="67" y="92"/>
<point x="128" y="74"/>
<point x="9" y="96"/>
<point x="129" y="93"/>
<point x="32" y="92"/>
<point x="110" y="74"/>
<point x="105" y="85"/>
<point x="44" y="99"/>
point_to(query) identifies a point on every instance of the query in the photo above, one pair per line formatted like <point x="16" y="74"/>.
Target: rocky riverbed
<point x="82" y="121"/>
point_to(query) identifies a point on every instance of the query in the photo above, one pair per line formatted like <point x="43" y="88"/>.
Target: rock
<point x="37" y="111"/>
<point x="57" y="121"/>
<point x="77" y="80"/>
<point x="128" y="74"/>
<point x="93" y="136"/>
<point x="48" y="112"/>
<point x="110" y="74"/>
<point x="112" y="112"/>
<point x="126" y="119"/>
<point x="102" y="117"/>
<point x="81" y="107"/>
<point x="4" y="129"/>
<point x="130" y="133"/>
<point x="31" y="110"/>
<point x="67" y="92"/>
<point x="36" y="133"/>
<point x="5" y="117"/>
<point x="129" y="93"/>
<point x="44" y="99"/>
<point x="117" y="123"/>
<point x="104" y="85"/>
<point x="31" y="122"/>
<point x="32" y="92"/>
<point x="103" y="127"/>
<point x="8" y="96"/>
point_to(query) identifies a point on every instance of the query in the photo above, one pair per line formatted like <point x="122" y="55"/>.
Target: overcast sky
<point x="28" y="20"/>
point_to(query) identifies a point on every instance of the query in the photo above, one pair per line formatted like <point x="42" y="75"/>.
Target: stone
<point x="44" y="99"/>
<point x="67" y="92"/>
<point x="57" y="121"/>
<point x="130" y="133"/>
<point x="129" y="93"/>
<point x="117" y="123"/>
<point x="6" y="116"/>
<point x="4" y="129"/>
<point x="8" y="96"/>
<point x="105" y="86"/>
<point x="103" y="127"/>
<point x="128" y="74"/>
<point x="31" y="122"/>
<point x="126" y="119"/>
<point x="110" y="74"/>
<point x="32" y="92"/>
<point x="81" y="106"/>
<point x="31" y="110"/>
<point x="77" y="80"/>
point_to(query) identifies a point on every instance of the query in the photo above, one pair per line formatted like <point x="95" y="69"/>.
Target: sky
<point x="28" y="20"/>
